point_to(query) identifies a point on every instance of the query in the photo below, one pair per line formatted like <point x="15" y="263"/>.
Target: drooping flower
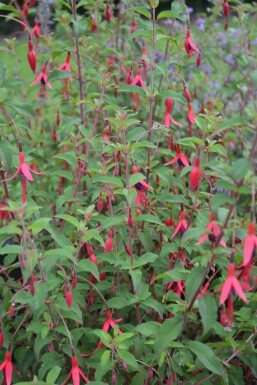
<point x="187" y="93"/>
<point x="110" y="323"/>
<point x="36" y="29"/>
<point x="181" y="226"/>
<point x="42" y="78"/>
<point x="214" y="228"/>
<point x="24" y="169"/>
<point x="138" y="81"/>
<point x="93" y="25"/>
<point x="226" y="9"/>
<point x="75" y="373"/>
<point x="66" y="65"/>
<point x="189" y="45"/>
<point x="195" y="174"/>
<point x="32" y="59"/>
<point x="133" y="26"/>
<point x="68" y="295"/>
<point x="167" y="118"/>
<point x="231" y="284"/>
<point x="108" y="243"/>
<point x="250" y="243"/>
<point x="7" y="366"/>
<point x="180" y="157"/>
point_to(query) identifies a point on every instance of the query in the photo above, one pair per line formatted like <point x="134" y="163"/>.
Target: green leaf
<point x="219" y="149"/>
<point x="206" y="357"/>
<point x="59" y="75"/>
<point x="150" y="218"/>
<point x="87" y="265"/>
<point x="117" y="302"/>
<point x="109" y="180"/>
<point x="133" y="88"/>
<point x="128" y="358"/>
<point x="136" y="178"/>
<point x="170" y="15"/>
<point x="143" y="11"/>
<point x="167" y="333"/>
<point x="39" y="225"/>
<point x="208" y="312"/>
<point x="104" y="337"/>
<point x="22" y="108"/>
<point x="68" y="218"/>
<point x="193" y="281"/>
<point x="105" y="359"/>
<point x="11" y="249"/>
<point x="240" y="168"/>
<point x="53" y="375"/>
<point x="145" y="259"/>
<point x="148" y="329"/>
<point x="93" y="234"/>
<point x="5" y="154"/>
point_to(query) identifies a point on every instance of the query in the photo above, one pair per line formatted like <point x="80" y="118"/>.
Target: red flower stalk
<point x="195" y="175"/>
<point x="180" y="157"/>
<point x="187" y="93"/>
<point x="24" y="169"/>
<point x="7" y="366"/>
<point x="36" y="29"/>
<point x="250" y="243"/>
<point x="68" y="296"/>
<point x="167" y="118"/>
<point x="133" y="26"/>
<point x="75" y="373"/>
<point x="190" y="114"/>
<point x="214" y="228"/>
<point x="138" y="81"/>
<point x="226" y="9"/>
<point x="189" y="45"/>
<point x="31" y="3"/>
<point x="93" y="25"/>
<point x="199" y="59"/>
<point x="231" y="284"/>
<point x="129" y="75"/>
<point x="42" y="78"/>
<point x="108" y="13"/>
<point x="32" y="59"/>
<point x="181" y="226"/>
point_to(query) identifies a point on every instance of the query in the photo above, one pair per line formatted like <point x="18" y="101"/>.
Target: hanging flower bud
<point x="31" y="3"/>
<point x="108" y="13"/>
<point x="31" y="286"/>
<point x="226" y="25"/>
<point x="134" y="169"/>
<point x="187" y="93"/>
<point x="11" y="310"/>
<point x="114" y="378"/>
<point x="226" y="9"/>
<point x="133" y="26"/>
<point x="127" y="249"/>
<point x="32" y="59"/>
<point x="108" y="243"/>
<point x="68" y="296"/>
<point x="190" y="114"/>
<point x="100" y="204"/>
<point x="195" y="175"/>
<point x="130" y="219"/>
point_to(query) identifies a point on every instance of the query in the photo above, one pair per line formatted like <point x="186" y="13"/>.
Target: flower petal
<point x="227" y="285"/>
<point x="248" y="248"/>
<point x="174" y="160"/>
<point x="25" y="170"/>
<point x="83" y="376"/>
<point x="236" y="285"/>
<point x="8" y="372"/>
<point x="202" y="239"/>
<point x="75" y="375"/>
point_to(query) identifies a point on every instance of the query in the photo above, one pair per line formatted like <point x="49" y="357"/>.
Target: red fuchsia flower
<point x="108" y="12"/>
<point x="226" y="9"/>
<point x="214" y="228"/>
<point x="32" y="59"/>
<point x="108" y="242"/>
<point x="25" y="10"/>
<point x="42" y="78"/>
<point x="129" y="75"/>
<point x="138" y="81"/>
<point x="231" y="284"/>
<point x="246" y="278"/>
<point x="66" y="65"/>
<point x="109" y="324"/>
<point x="195" y="175"/>
<point x="181" y="226"/>
<point x="36" y="29"/>
<point x="1" y="337"/>
<point x="180" y="157"/>
<point x="24" y="169"/>
<point x="75" y="373"/>
<point x="167" y="118"/>
<point x="142" y="182"/>
<point x="32" y="3"/>
<point x="189" y="45"/>
<point x="187" y="93"/>
<point x="250" y="244"/>
<point x="7" y="366"/>
<point x="190" y="114"/>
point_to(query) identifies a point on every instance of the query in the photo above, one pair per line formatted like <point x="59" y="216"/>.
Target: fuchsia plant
<point x="109" y="229"/>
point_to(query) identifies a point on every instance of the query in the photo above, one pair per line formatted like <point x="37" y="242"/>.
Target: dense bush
<point x="128" y="164"/>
